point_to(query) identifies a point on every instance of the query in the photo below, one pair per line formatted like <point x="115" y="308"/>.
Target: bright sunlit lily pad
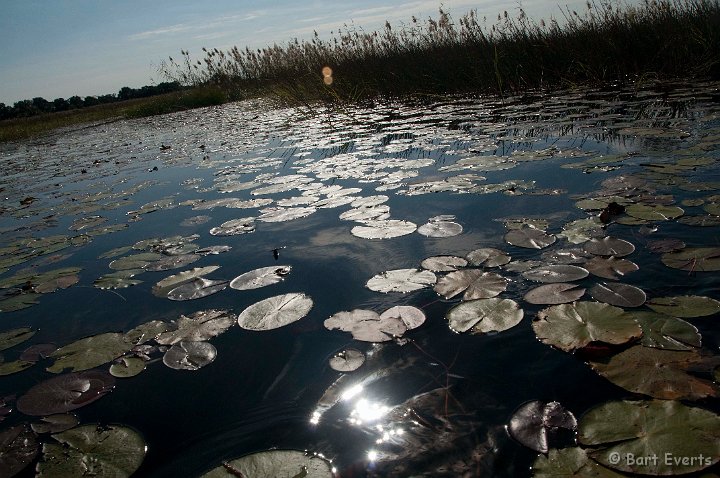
<point x="198" y="326"/>
<point x="475" y="284"/>
<point x="401" y="280"/>
<point x="261" y="277"/>
<point x="275" y="463"/>
<point x="483" y="316"/>
<point x="275" y="312"/>
<point x="190" y="355"/>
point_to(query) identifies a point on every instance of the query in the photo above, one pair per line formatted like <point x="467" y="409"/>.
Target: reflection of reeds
<point x="606" y="43"/>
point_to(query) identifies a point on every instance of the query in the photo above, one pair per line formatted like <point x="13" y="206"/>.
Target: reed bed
<point x="606" y="43"/>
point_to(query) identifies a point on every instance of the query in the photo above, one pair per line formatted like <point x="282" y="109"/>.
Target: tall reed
<point x="608" y="42"/>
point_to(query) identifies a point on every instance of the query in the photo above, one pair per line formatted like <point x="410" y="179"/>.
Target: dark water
<point x="264" y="386"/>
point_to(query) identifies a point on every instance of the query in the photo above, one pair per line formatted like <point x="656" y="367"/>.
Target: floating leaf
<point x="443" y="263"/>
<point x="51" y="285"/>
<point x="18" y="448"/>
<point x="274" y="312"/>
<point x="411" y="316"/>
<point x="347" y="360"/>
<point x="92" y="450"/>
<point x="529" y="237"/>
<point x="189" y="355"/>
<point x="488" y="257"/>
<point x="700" y="221"/>
<point x="35" y="352"/>
<point x="147" y="331"/>
<point x="581" y="230"/>
<point x="440" y="229"/>
<point x="118" y="280"/>
<point x="172" y="262"/>
<point x="18" y="301"/>
<point x="621" y="295"/>
<point x="9" y="368"/>
<point x="701" y="259"/>
<point x="685" y="306"/>
<point x="666" y="245"/>
<point x="58" y="422"/>
<point x="261" y="277"/>
<point x="11" y="338"/>
<point x="384" y="229"/>
<point x="474" y="282"/>
<point x="197" y="289"/>
<point x="282" y="214"/>
<point x="557" y="293"/>
<point x="665" y="332"/>
<point x="654" y="212"/>
<point x="573" y="326"/>
<point x="610" y="267"/>
<point x="199" y="326"/>
<point x="658" y="373"/>
<point x="556" y="273"/>
<point x="571" y="463"/>
<point x="65" y="393"/>
<point x="164" y="286"/>
<point x="401" y="280"/>
<point x="609" y="246"/>
<point x="275" y="463"/>
<point x="531" y="421"/>
<point x="135" y="261"/>
<point x="234" y="227"/>
<point x="126" y="367"/>
<point x="643" y="429"/>
<point x="90" y="352"/>
<point x="485" y="315"/>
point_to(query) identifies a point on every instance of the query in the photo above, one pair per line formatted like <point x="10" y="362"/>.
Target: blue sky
<point x="61" y="48"/>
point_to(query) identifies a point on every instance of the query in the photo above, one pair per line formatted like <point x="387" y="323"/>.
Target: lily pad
<point x="347" y="361"/>
<point x="387" y="229"/>
<point x="665" y="332"/>
<point x="556" y="273"/>
<point x="18" y="448"/>
<point x="197" y="288"/>
<point x="411" y="316"/>
<point x="58" y="422"/>
<point x="190" y="355"/>
<point x="557" y="293"/>
<point x="18" y="301"/>
<point x="443" y="263"/>
<point x="91" y="450"/>
<point x="118" y="280"/>
<point x="126" y="367"/>
<point x="135" y="261"/>
<point x="701" y="259"/>
<point x="261" y="277"/>
<point x="440" y="229"/>
<point x="234" y="227"/>
<point x="482" y="316"/>
<point x="90" y="352"/>
<point x="570" y="463"/>
<point x="147" y="331"/>
<point x="657" y="373"/>
<point x="274" y="312"/>
<point x="573" y="326"/>
<point x="621" y="295"/>
<point x="163" y="287"/>
<point x="610" y="267"/>
<point x="529" y="237"/>
<point x="275" y="463"/>
<point x="401" y="280"/>
<point x="9" y="368"/>
<point x="475" y="283"/>
<point x="172" y="262"/>
<point x="662" y="428"/>
<point x="685" y="306"/>
<point x="65" y="393"/>
<point x="654" y="212"/>
<point x="609" y="246"/>
<point x="488" y="257"/>
<point x="11" y="338"/>
<point x="198" y="327"/>
<point x="532" y="421"/>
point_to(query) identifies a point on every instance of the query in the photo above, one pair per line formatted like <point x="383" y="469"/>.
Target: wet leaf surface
<point x="557" y="293"/>
<point x="347" y="360"/>
<point x="556" y="273"/>
<point x="621" y="295"/>
<point x="65" y="393"/>
<point x="261" y="277"/>
<point x="609" y="246"/>
<point x="18" y="448"/>
<point x="610" y="267"/>
<point x="685" y="306"/>
<point x="529" y="237"/>
<point x="275" y="312"/>
<point x="483" y="316"/>
<point x="532" y="421"/>
<point x="401" y="280"/>
<point x="190" y="355"/>
<point x="277" y="463"/>
<point x="665" y="332"/>
<point x="198" y="326"/>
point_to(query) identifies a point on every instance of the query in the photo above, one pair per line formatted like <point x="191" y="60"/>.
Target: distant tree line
<point x="37" y="106"/>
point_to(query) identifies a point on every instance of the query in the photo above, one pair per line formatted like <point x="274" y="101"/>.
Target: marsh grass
<point x="609" y="43"/>
<point x="21" y="128"/>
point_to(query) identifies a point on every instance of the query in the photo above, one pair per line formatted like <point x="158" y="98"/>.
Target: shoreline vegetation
<point x="608" y="44"/>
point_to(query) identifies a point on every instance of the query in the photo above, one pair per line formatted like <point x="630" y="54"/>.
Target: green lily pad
<point x="91" y="450"/>
<point x="199" y="326"/>
<point x="621" y="295"/>
<point x="701" y="259"/>
<point x="573" y="326"/>
<point x="147" y="331"/>
<point x="126" y="367"/>
<point x="482" y="316"/>
<point x="275" y="463"/>
<point x="654" y="212"/>
<point x="275" y="312"/>
<point x="657" y="373"/>
<point x="626" y="435"/>
<point x="685" y="306"/>
<point x="11" y="338"/>
<point x="9" y="368"/>
<point x="401" y="280"/>
<point x="529" y="237"/>
<point x="475" y="284"/>
<point x="58" y="422"/>
<point x="118" y="280"/>
<point x="18" y="301"/>
<point x="90" y="352"/>
<point x="667" y="333"/>
<point x="135" y="261"/>
<point x="190" y="355"/>
<point x="570" y="463"/>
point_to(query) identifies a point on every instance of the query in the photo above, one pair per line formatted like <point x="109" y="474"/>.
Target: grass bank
<point x="194" y="97"/>
<point x="606" y="43"/>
